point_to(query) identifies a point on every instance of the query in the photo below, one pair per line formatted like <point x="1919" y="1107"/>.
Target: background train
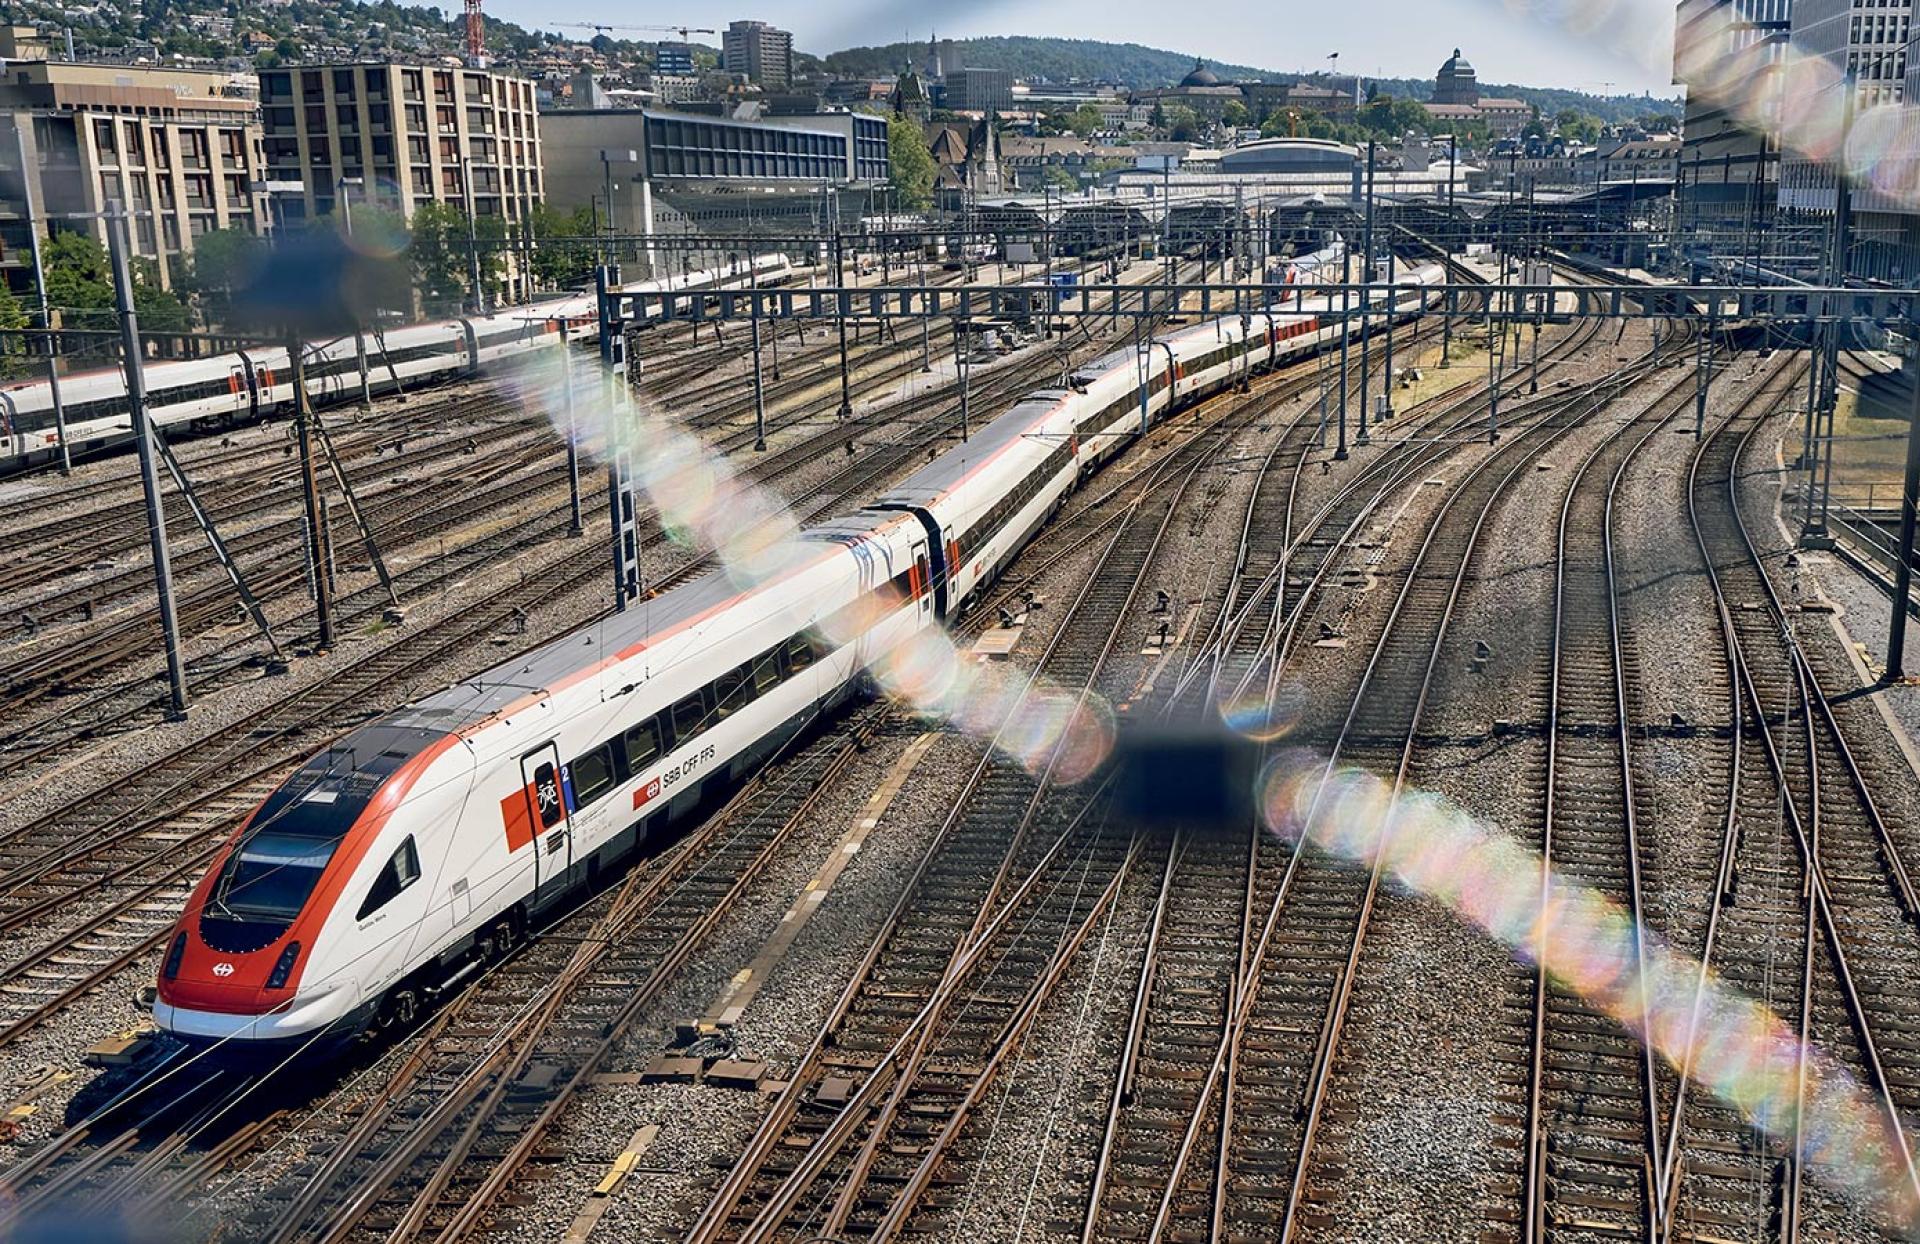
<point x="256" y="383"/>
<point x="426" y="843"/>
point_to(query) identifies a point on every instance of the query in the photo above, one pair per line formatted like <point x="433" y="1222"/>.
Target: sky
<point x="1576" y="44"/>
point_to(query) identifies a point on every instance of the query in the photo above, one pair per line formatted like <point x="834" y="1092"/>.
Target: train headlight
<point x="175" y="953"/>
<point x="283" y="966"/>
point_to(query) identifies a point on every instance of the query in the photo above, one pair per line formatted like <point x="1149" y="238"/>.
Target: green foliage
<point x="1056" y="59"/>
<point x="565" y="248"/>
<point x="13" y="348"/>
<point x="1085" y="120"/>
<point x="223" y="260"/>
<point x="1236" y="115"/>
<point x="438" y="257"/>
<point x="1182" y="123"/>
<point x="1577" y="126"/>
<point x="79" y="283"/>
<point x="160" y="310"/>
<point x="1059" y="178"/>
<point x="909" y="163"/>
<point x="1388" y="117"/>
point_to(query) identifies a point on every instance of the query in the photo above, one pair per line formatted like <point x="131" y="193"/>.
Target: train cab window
<point x="592" y="775"/>
<point x="401" y="871"/>
<point x="732" y="691"/>
<point x="643" y="745"/>
<point x="766" y="674"/>
<point x="689" y="715"/>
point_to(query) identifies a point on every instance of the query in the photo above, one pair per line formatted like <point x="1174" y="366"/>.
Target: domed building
<point x="1456" y="97"/>
<point x="1200" y="75"/>
<point x="1201" y="90"/>
<point x="1456" y="83"/>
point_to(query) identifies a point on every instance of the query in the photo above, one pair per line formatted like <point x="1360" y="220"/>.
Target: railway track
<point x="1235" y="1112"/>
<point x="126" y="857"/>
<point x="1814" y="907"/>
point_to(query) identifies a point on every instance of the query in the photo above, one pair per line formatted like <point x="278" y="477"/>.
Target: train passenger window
<point x="402" y="870"/>
<point x="765" y="674"/>
<point x="799" y="653"/>
<point x="592" y="775"/>
<point x="688" y="716"/>
<point x="643" y="744"/>
<point x="732" y="691"/>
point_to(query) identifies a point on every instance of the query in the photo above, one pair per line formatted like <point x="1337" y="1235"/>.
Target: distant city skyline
<point x="1385" y="38"/>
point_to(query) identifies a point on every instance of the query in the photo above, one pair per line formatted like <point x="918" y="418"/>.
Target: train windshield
<point x="290" y="841"/>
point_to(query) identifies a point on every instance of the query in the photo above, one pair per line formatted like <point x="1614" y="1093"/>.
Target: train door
<point x="922" y="582"/>
<point x="544" y="784"/>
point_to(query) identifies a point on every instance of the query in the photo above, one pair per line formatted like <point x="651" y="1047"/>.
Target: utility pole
<point x="960" y="366"/>
<point x="840" y="318"/>
<point x="1386" y="406"/>
<point x="1366" y="298"/>
<point x="1904" y="550"/>
<point x="1446" y="320"/>
<point x="577" y="527"/>
<point x="359" y="336"/>
<point x="473" y="238"/>
<point x="46" y="307"/>
<point x="310" y="491"/>
<point x="759" y="385"/>
<point x="119" y="229"/>
<point x="1346" y="338"/>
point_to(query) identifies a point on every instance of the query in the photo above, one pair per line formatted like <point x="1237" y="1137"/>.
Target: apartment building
<point x="179" y="148"/>
<point x="401" y="136"/>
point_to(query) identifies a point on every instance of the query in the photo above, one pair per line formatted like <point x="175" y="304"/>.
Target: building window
<point x="343" y="82"/>
<point x="106" y="142"/>
<point x="411" y="84"/>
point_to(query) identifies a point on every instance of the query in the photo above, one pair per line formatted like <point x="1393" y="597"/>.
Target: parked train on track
<point x="424" y="844"/>
<point x="256" y="383"/>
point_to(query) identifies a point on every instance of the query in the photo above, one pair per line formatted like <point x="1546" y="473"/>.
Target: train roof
<point x="945" y="472"/>
<point x="562" y="661"/>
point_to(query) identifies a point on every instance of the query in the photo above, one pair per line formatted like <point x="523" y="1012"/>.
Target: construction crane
<point x="685" y="32"/>
<point x="476" y="33"/>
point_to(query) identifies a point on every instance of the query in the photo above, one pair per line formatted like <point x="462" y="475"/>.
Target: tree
<point x="223" y="260"/>
<point x="1182" y="123"/>
<point x="78" y="282"/>
<point x="1085" y="121"/>
<point x="438" y="256"/>
<point x="13" y="346"/>
<point x="910" y="168"/>
<point x="1236" y="115"/>
<point x="1059" y="178"/>
<point x="564" y="245"/>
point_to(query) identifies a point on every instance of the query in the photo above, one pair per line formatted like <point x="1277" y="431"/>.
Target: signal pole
<point x="118" y="243"/>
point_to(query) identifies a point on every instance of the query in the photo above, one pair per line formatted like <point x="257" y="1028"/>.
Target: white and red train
<point x="256" y="383"/>
<point x="423" y="844"/>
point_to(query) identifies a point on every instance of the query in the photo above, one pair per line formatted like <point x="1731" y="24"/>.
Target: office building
<point x="1866" y="41"/>
<point x="761" y="52"/>
<point x="400" y="136"/>
<point x="179" y="148"/>
<point x="673" y="172"/>
<point x="1728" y="176"/>
<point x="979" y="90"/>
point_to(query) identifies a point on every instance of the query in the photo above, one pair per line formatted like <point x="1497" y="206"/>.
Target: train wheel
<point x="400" y="1009"/>
<point x="505" y="937"/>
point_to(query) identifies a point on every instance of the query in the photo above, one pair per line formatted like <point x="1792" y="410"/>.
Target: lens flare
<point x="1733" y="1046"/>
<point x="1757" y="82"/>
<point x="704" y="504"/>
<point x="1249" y="711"/>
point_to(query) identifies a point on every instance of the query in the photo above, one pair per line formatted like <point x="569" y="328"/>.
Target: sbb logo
<point x="647" y="794"/>
<point x="223" y="969"/>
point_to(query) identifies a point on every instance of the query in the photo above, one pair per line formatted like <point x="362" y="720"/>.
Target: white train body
<point x="257" y="383"/>
<point x="407" y="853"/>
